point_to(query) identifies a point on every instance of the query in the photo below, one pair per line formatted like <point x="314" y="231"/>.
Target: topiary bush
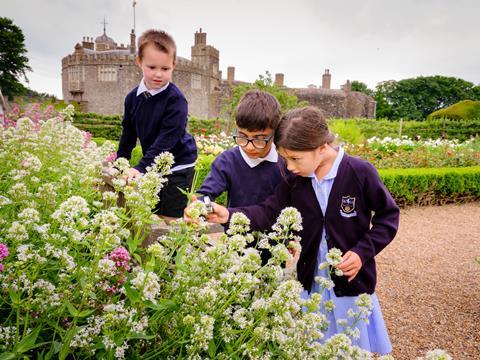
<point x="466" y="109"/>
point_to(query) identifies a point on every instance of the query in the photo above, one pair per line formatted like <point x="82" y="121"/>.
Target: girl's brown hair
<point x="303" y="129"/>
<point x="160" y="39"/>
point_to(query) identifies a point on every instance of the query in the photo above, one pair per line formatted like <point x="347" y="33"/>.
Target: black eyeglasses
<point x="257" y="143"/>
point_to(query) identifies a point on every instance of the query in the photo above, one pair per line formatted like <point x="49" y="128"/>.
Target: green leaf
<point x="28" y="342"/>
<point x="162" y="304"/>
<point x="14" y="296"/>
<point x="66" y="343"/>
<point x="212" y="349"/>
<point x="7" y="356"/>
<point x="85" y="313"/>
<point x="140" y="336"/>
<point x="71" y="309"/>
<point x="132" y="294"/>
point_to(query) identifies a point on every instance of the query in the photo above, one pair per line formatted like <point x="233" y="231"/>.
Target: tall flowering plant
<point x="76" y="282"/>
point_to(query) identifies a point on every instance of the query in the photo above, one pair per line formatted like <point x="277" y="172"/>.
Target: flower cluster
<point x="214" y="144"/>
<point x="3" y="255"/>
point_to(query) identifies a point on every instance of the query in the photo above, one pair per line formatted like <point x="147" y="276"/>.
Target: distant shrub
<point x="466" y="109"/>
<point x="349" y="133"/>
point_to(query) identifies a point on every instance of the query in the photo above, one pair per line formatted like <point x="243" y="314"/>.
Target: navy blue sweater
<point x="160" y="123"/>
<point x="373" y="205"/>
<point x="244" y="185"/>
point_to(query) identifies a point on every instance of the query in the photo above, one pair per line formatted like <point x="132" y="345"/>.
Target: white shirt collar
<point x="272" y="156"/>
<point x="142" y="88"/>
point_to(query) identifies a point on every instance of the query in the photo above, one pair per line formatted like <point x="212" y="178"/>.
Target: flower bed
<point x="76" y="282"/>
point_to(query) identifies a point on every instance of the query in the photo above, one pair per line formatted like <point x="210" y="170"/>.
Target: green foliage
<point x="416" y="98"/>
<point x="362" y="87"/>
<point x="203" y="168"/>
<point x="206" y="126"/>
<point x="466" y="109"/>
<point x="349" y="133"/>
<point x="264" y="83"/>
<point x="13" y="59"/>
<point x="432" y="186"/>
<point x="437" y="128"/>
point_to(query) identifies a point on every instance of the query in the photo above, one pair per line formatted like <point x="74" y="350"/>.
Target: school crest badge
<point x="347" y="207"/>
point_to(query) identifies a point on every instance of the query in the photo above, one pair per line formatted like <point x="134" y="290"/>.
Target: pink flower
<point x="3" y="251"/>
<point x="121" y="257"/>
<point x="112" y="157"/>
<point x="88" y="137"/>
<point x="2" y="267"/>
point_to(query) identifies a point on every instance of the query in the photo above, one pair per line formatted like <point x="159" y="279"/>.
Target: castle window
<point x="76" y="73"/>
<point x="107" y="73"/>
<point x="196" y="81"/>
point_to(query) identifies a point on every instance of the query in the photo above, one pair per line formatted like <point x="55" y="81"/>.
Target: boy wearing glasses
<point x="250" y="171"/>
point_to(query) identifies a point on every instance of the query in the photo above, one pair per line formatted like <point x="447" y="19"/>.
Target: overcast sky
<point x="365" y="40"/>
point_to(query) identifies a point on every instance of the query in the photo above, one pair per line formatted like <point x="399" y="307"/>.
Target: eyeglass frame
<point x="251" y="140"/>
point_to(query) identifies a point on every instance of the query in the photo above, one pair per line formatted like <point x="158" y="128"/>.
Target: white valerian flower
<point x="157" y="250"/>
<point x="68" y="113"/>
<point x="437" y="354"/>
<point x="289" y="218"/>
<point x="324" y="282"/>
<point x="29" y="216"/>
<point x="106" y="268"/>
<point x="148" y="285"/>
<point x="239" y="224"/>
<point x="203" y="332"/>
<point x="17" y="232"/>
<point x="122" y="164"/>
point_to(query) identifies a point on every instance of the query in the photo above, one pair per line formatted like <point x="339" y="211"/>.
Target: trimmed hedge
<point x="418" y="187"/>
<point x="432" y="186"/>
<point x="434" y="129"/>
<point x="466" y="109"/>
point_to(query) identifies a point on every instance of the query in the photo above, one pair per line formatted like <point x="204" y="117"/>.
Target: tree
<point x="13" y="59"/>
<point x="418" y="97"/>
<point x="264" y="83"/>
<point x="362" y="87"/>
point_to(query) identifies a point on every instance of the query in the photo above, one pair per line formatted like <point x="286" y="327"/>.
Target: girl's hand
<point x="350" y="265"/>
<point x="292" y="263"/>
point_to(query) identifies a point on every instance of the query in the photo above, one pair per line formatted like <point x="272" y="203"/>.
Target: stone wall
<point x="338" y="103"/>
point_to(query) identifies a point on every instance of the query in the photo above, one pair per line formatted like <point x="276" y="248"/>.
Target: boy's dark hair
<point x="303" y="129"/>
<point x="257" y="110"/>
<point x="162" y="40"/>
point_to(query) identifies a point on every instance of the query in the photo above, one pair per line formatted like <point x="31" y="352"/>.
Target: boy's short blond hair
<point x="162" y="40"/>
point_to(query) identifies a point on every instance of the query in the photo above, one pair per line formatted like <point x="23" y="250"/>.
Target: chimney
<point x="347" y="86"/>
<point x="326" y="79"/>
<point x="279" y="79"/>
<point x="230" y="74"/>
<point x="132" y="42"/>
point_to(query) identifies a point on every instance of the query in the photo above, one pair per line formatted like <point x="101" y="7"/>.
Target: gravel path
<point x="429" y="282"/>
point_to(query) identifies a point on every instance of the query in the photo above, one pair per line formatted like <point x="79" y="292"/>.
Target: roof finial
<point x="104" y="25"/>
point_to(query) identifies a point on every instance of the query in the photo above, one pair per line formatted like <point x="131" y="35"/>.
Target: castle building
<point x="100" y="73"/>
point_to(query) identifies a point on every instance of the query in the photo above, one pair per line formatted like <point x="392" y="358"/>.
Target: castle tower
<point x="326" y="78"/>
<point x="279" y="78"/>
<point x="205" y="55"/>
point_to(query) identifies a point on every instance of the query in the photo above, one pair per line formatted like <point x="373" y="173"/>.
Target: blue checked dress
<point x="373" y="336"/>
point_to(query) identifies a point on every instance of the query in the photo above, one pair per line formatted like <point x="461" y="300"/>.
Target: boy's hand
<point x="350" y="265"/>
<point x="219" y="215"/>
